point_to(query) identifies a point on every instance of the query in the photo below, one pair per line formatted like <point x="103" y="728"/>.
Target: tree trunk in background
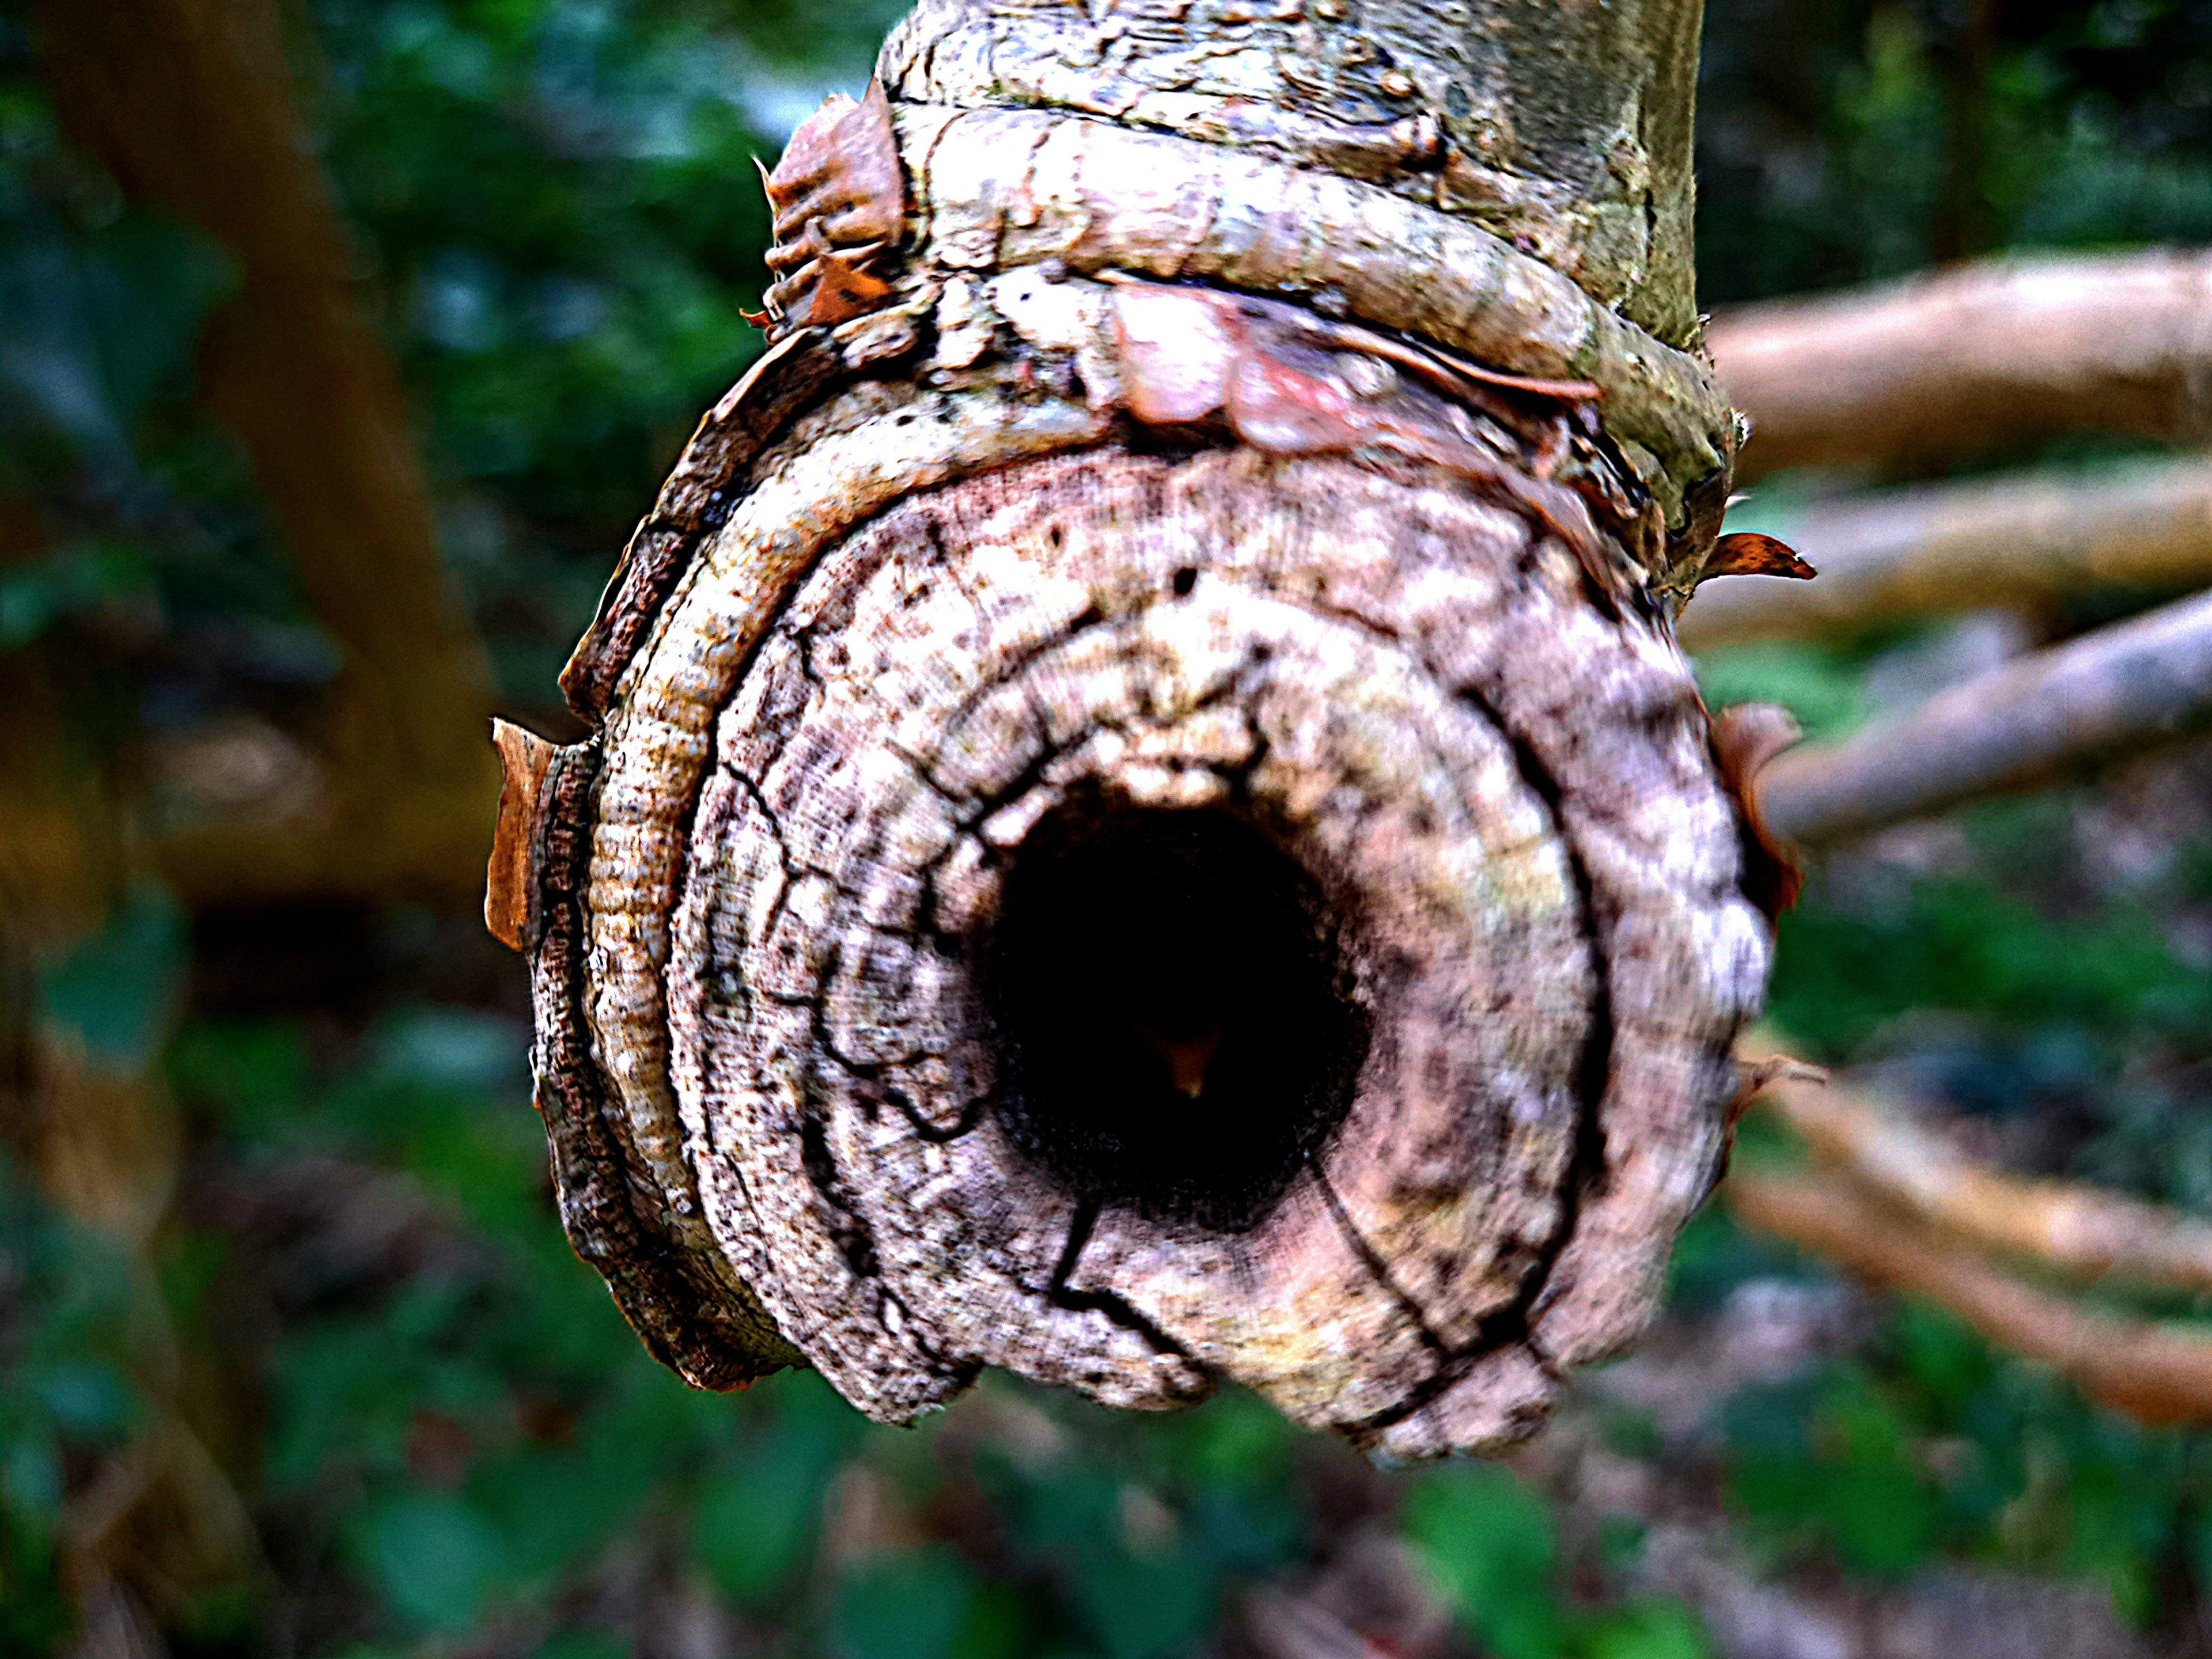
<point x="190" y="103"/>
<point x="1148" y="822"/>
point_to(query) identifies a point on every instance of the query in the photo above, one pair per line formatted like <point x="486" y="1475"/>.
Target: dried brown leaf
<point x="1747" y="553"/>
<point x="838" y="199"/>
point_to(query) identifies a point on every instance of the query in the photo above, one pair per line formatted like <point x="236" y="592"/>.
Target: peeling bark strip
<point x="839" y="200"/>
<point x="1144" y="830"/>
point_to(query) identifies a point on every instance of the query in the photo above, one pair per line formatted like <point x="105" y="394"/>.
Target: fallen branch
<point x="2152" y="1372"/>
<point x="2078" y="1230"/>
<point x="2104" y="697"/>
<point x="1973" y="361"/>
<point x="2020" y="543"/>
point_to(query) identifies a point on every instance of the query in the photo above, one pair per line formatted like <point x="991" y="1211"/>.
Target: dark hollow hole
<point x="1174" y="1011"/>
<point x="1185" y="579"/>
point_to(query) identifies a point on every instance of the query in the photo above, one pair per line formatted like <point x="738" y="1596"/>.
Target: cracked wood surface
<point x="1400" y="678"/>
<point x="1142" y="833"/>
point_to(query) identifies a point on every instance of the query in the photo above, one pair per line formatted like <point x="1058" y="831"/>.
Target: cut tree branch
<point x="2019" y="542"/>
<point x="1146" y="826"/>
<point x="2153" y="1372"/>
<point x="1977" y="360"/>
<point x="2101" y="698"/>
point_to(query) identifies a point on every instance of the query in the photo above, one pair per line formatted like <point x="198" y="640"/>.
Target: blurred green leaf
<point x="756" y="1516"/>
<point x="1817" y="683"/>
<point x="1956" y="943"/>
<point x="1137" y="1608"/>
<point x="31" y="1481"/>
<point x="116" y="993"/>
<point x="583" y="1644"/>
<point x="1828" y="1461"/>
<point x="431" y="1558"/>
<point x="88" y="1399"/>
<point x="75" y="579"/>
<point x="94" y="325"/>
<point x="914" y="1605"/>
<point x="1489" y="1541"/>
<point x="1647" y="1630"/>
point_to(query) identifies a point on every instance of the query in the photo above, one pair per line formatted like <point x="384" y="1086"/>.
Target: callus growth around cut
<point x="1145" y="825"/>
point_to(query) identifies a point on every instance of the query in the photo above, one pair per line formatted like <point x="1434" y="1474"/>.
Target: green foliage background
<point x="451" y="1443"/>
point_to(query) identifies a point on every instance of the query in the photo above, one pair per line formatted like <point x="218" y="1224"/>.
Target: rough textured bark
<point x="1148" y="822"/>
<point x="1566" y="129"/>
<point x="1975" y="361"/>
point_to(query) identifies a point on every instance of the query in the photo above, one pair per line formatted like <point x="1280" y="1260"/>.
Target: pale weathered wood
<point x="1147" y="823"/>
<point x="1534" y="948"/>
<point x="1975" y="360"/>
<point x="2026" y="543"/>
<point x="2099" y="699"/>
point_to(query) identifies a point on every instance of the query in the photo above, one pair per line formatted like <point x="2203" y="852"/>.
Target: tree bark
<point x="1147" y="823"/>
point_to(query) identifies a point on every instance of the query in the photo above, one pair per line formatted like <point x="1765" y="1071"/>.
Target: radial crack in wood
<point x="1331" y="764"/>
<point x="1147" y="823"/>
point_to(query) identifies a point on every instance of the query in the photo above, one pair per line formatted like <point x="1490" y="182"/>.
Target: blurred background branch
<point x="2030" y="543"/>
<point x="2093" y="702"/>
<point x="2078" y="1230"/>
<point x="1973" y="361"/>
<point x="190" y="106"/>
<point x="2153" y="1373"/>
